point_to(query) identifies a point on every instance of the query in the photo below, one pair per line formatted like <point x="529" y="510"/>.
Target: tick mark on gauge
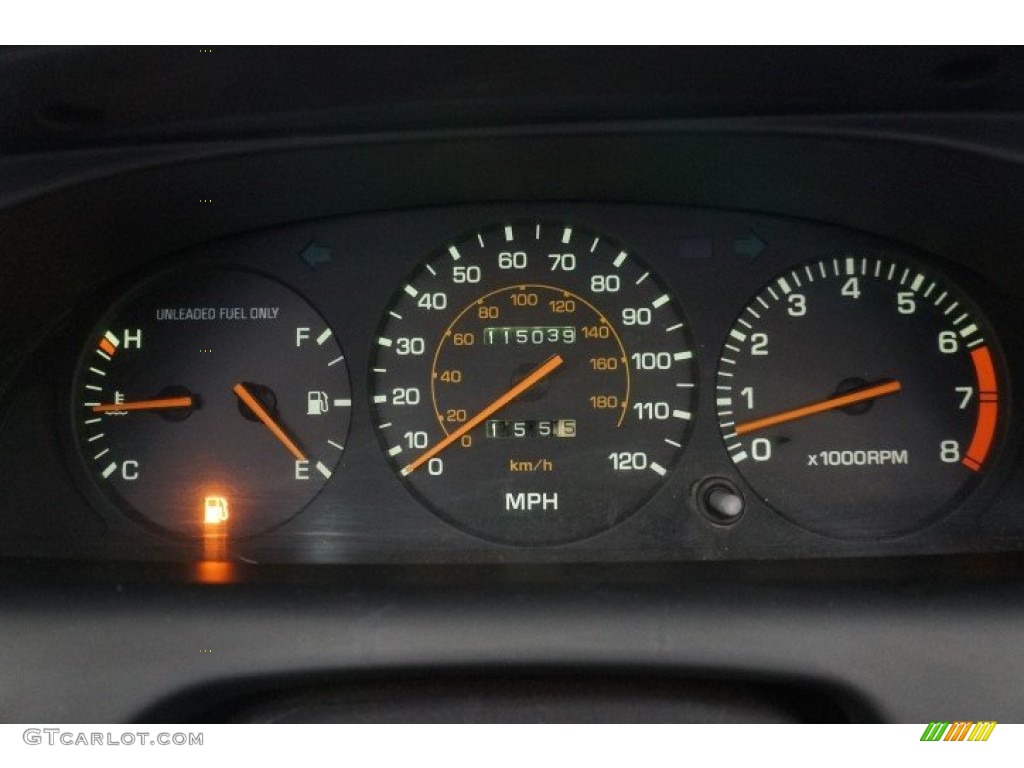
<point x="323" y="337"/>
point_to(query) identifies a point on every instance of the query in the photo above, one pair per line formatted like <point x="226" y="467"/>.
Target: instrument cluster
<point x="543" y="382"/>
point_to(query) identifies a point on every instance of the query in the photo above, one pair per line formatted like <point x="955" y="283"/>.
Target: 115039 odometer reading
<point x="533" y="384"/>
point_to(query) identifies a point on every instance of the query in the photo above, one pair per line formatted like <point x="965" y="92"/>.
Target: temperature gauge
<point x="212" y="398"/>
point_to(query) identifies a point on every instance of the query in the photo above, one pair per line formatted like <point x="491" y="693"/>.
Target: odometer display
<point x="533" y="384"/>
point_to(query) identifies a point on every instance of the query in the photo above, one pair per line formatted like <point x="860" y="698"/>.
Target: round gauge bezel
<point x="115" y="301"/>
<point x="489" y="288"/>
<point x="943" y="281"/>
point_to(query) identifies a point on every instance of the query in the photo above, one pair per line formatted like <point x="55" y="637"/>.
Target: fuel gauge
<point x="215" y="398"/>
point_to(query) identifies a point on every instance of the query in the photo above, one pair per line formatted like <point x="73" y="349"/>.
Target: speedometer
<point x="533" y="383"/>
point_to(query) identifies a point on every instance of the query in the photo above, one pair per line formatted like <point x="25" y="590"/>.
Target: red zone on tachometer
<point x="988" y="409"/>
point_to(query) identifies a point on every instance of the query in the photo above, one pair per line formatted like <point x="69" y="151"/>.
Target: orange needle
<point x="879" y="390"/>
<point x="268" y="421"/>
<point x="145" y="405"/>
<point x="539" y="373"/>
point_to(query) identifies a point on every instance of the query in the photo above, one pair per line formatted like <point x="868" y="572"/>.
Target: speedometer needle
<point x="538" y="374"/>
<point x="268" y="421"/>
<point x="832" y="403"/>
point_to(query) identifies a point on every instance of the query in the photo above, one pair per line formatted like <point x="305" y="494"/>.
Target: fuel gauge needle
<point x="268" y="421"/>
<point x="145" y="405"/>
<point x="831" y="404"/>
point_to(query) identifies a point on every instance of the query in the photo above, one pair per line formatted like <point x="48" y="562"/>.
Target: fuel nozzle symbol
<point x="316" y="403"/>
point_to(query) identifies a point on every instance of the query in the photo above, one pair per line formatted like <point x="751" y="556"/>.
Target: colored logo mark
<point x="959" y="731"/>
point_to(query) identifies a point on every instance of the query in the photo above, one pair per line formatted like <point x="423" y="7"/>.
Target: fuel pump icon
<point x="316" y="403"/>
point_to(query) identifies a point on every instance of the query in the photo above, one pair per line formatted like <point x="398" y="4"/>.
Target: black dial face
<point x="217" y="400"/>
<point x="859" y="396"/>
<point x="533" y="383"/>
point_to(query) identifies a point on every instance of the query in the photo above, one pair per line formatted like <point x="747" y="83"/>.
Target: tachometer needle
<point x="145" y="405"/>
<point x="268" y="421"/>
<point x="538" y="374"/>
<point x="831" y="404"/>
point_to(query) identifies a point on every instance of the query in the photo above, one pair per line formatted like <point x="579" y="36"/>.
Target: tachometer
<point x="859" y="396"/>
<point x="533" y="383"/>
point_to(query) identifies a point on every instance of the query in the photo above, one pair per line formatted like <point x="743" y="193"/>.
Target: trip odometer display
<point x="533" y="383"/>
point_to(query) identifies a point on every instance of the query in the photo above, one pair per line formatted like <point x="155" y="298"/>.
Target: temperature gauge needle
<point x="145" y="405"/>
<point x="268" y="421"/>
<point x="831" y="404"/>
<point x="538" y="374"/>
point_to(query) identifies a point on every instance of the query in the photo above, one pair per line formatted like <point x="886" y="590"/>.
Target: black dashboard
<point x="651" y="409"/>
